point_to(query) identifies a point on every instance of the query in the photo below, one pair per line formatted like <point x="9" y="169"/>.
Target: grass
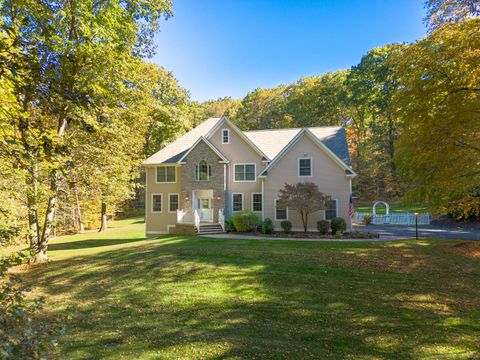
<point x="394" y="208"/>
<point x="186" y="297"/>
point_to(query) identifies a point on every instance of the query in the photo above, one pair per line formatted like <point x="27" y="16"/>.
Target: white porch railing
<point x="180" y="216"/>
<point x="221" y="219"/>
<point x="394" y="218"/>
<point x="196" y="218"/>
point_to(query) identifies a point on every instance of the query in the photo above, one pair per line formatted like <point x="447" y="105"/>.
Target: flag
<point x="351" y="210"/>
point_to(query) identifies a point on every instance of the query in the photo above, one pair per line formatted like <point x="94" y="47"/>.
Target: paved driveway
<point x="424" y="231"/>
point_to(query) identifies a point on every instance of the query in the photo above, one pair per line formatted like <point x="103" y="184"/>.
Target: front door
<point x="205" y="209"/>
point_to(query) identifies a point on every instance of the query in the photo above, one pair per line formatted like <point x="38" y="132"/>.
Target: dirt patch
<point x="469" y="249"/>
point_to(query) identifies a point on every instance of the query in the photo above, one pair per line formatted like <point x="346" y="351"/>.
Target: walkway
<point x="424" y="231"/>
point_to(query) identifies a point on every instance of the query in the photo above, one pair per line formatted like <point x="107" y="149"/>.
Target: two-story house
<point x="217" y="169"/>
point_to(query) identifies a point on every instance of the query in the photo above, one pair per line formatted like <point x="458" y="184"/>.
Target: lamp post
<point x="416" y="225"/>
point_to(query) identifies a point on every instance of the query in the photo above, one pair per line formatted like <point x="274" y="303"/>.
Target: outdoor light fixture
<point x="186" y="197"/>
<point x="416" y="225"/>
<point x="219" y="197"/>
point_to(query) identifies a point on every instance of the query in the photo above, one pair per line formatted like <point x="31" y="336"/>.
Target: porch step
<point x="210" y="228"/>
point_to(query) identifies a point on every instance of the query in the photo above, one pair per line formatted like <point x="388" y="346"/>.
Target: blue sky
<point x="220" y="48"/>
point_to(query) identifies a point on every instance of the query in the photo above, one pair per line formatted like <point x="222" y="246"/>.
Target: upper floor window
<point x="225" y="136"/>
<point x="166" y="174"/>
<point x="203" y="171"/>
<point x="245" y="172"/>
<point x="330" y="209"/>
<point x="305" y="167"/>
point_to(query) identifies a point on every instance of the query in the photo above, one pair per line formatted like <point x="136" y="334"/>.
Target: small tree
<point x="303" y="197"/>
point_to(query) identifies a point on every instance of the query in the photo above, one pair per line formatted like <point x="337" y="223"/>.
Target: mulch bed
<point x="445" y="221"/>
<point x="312" y="235"/>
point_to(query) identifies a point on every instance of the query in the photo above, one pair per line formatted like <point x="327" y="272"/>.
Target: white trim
<point x="232" y="126"/>
<point x="178" y="197"/>
<point x="256" y="193"/>
<point x="210" y="145"/>
<point x="316" y="141"/>
<point x="336" y="209"/>
<point x="169" y="226"/>
<point x="298" y="167"/>
<point x="275" y="210"/>
<point x="243" y="201"/>
<point x="263" y="199"/>
<point x="149" y="233"/>
<point x="165" y="182"/>
<point x="161" y="203"/>
<point x="228" y="136"/>
<point x="254" y="171"/>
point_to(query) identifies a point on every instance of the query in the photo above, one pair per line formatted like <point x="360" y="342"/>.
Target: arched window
<point x="203" y="171"/>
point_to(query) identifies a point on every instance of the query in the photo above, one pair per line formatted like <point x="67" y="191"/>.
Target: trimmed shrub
<point x="229" y="226"/>
<point x="367" y="219"/>
<point x="286" y="226"/>
<point x="245" y="221"/>
<point x="323" y="227"/>
<point x="338" y="224"/>
<point x="267" y="226"/>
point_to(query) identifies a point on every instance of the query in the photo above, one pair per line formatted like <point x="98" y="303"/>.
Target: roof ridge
<point x="295" y="128"/>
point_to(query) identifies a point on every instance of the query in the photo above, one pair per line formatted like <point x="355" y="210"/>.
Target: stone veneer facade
<point x="216" y="182"/>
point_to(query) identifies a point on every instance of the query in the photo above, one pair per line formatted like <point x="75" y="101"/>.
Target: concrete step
<point x="210" y="229"/>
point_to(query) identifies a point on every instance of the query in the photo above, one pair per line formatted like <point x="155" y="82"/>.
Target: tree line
<point x="81" y="106"/>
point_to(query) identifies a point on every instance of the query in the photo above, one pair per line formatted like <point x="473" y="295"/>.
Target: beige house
<point x="216" y="169"/>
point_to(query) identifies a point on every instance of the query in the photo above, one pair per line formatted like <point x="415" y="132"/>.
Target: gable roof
<point x="223" y="159"/>
<point x="174" y="151"/>
<point x="271" y="142"/>
<point x="318" y="142"/>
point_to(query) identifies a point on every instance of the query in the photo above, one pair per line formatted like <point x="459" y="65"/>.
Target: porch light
<point x="186" y="197"/>
<point x="219" y="197"/>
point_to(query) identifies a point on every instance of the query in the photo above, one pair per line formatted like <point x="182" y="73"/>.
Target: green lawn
<point x="187" y="297"/>
<point x="394" y="208"/>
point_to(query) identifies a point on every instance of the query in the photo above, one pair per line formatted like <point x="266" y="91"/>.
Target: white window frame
<point x="161" y="203"/>
<point x="178" y="197"/>
<point x="275" y="209"/>
<point x="165" y="182"/>
<point x="243" y="201"/>
<point x="244" y="164"/>
<point x="261" y="203"/>
<point x="336" y="209"/>
<point x="197" y="171"/>
<point x="228" y="136"/>
<point x="311" y="167"/>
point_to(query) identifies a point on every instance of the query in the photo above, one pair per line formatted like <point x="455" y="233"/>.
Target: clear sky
<point x="220" y="48"/>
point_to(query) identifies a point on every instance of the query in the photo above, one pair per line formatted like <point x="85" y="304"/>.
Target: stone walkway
<point x="252" y="237"/>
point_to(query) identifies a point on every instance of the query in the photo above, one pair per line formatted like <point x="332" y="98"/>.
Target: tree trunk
<point x="305" y="222"/>
<point x="79" y="212"/>
<point x="103" y="225"/>
<point x="33" y="230"/>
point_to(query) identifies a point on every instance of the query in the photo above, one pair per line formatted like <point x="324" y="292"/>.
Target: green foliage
<point x="245" y="221"/>
<point x="8" y="235"/>
<point x="467" y="208"/>
<point x="229" y="225"/>
<point x="338" y="224"/>
<point x="23" y="335"/>
<point x="367" y="219"/>
<point x="286" y="226"/>
<point x="323" y="227"/>
<point x="267" y="226"/>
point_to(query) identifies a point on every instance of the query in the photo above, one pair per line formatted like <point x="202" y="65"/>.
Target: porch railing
<point x="221" y="219"/>
<point x="196" y="218"/>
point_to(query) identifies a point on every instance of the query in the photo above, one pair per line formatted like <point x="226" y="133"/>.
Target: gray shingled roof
<point x="270" y="142"/>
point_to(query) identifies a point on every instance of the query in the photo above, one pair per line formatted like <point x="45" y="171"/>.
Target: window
<point x="330" y="209"/>
<point x="245" y="172"/>
<point x="304" y="167"/>
<point x="203" y="171"/>
<point x="172" y="202"/>
<point x="256" y="202"/>
<point x="166" y="174"/>
<point x="237" y="202"/>
<point x="280" y="213"/>
<point x="156" y="202"/>
<point x="225" y="136"/>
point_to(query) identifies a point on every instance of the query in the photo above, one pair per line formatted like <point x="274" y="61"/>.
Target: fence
<point x="394" y="218"/>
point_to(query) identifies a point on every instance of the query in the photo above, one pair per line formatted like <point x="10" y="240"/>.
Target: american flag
<point x="351" y="210"/>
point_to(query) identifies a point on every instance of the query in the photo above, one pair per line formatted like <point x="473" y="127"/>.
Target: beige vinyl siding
<point x="237" y="151"/>
<point x="326" y="173"/>
<point x="158" y="222"/>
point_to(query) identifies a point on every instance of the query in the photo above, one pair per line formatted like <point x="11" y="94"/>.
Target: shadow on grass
<point x="90" y="243"/>
<point x="192" y="298"/>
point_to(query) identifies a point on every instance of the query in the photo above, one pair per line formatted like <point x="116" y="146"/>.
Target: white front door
<point x="205" y="209"/>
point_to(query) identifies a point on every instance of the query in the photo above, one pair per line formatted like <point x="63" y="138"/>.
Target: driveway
<point x="424" y="231"/>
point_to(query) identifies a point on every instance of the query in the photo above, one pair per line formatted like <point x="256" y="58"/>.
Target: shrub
<point x="286" y="226"/>
<point x="339" y="234"/>
<point x="229" y="226"/>
<point x="245" y="221"/>
<point x="267" y="226"/>
<point x="323" y="227"/>
<point x="338" y="224"/>
<point x="367" y="219"/>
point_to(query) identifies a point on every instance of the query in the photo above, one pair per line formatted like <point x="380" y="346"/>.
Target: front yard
<point x="186" y="297"/>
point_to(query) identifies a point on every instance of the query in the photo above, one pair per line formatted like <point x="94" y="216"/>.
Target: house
<point x="216" y="169"/>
